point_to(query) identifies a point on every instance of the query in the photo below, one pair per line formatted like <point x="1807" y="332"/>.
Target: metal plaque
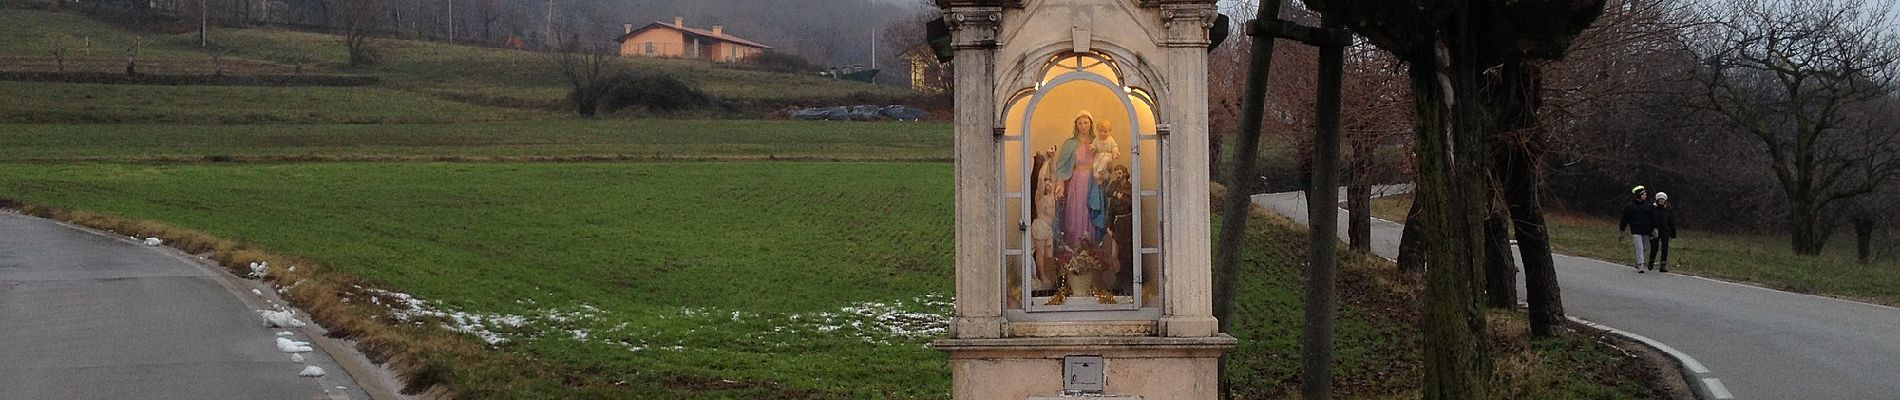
<point x="1084" y="374"/>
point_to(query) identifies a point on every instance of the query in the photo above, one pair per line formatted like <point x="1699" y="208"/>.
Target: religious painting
<point x="1080" y="146"/>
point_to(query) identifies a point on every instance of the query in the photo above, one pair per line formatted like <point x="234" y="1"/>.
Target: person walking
<point x="1664" y="221"/>
<point x="1638" y="220"/>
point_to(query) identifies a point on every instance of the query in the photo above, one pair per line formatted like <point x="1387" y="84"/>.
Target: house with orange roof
<point x="660" y="39"/>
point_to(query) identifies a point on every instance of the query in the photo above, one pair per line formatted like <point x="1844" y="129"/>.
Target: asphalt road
<point x="90" y="316"/>
<point x="1759" y="343"/>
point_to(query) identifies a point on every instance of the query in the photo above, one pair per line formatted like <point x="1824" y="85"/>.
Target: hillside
<point x="489" y="76"/>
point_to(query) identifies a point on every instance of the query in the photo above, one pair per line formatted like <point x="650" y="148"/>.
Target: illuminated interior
<point x="1079" y="154"/>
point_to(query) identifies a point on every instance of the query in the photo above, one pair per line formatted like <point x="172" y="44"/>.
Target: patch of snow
<point x="311" y="372"/>
<point x="291" y="346"/>
<point x="296" y="357"/>
<point x="493" y="328"/>
<point x="257" y="292"/>
<point x="286" y="333"/>
<point x="152" y="241"/>
<point x="280" y="319"/>
<point x="259" y="269"/>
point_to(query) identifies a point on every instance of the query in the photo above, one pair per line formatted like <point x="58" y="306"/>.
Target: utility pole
<point x="204" y="20"/>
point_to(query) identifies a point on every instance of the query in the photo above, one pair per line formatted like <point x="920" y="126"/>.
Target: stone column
<point x="979" y="252"/>
<point x="1188" y="309"/>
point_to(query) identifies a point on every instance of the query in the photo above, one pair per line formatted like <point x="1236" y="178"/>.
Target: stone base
<point x="1146" y="368"/>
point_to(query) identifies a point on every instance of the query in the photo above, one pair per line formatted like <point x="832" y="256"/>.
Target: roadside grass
<point x="1764" y="260"/>
<point x="1581" y="365"/>
<point x="43" y="102"/>
<point x="682" y="280"/>
<point x="528" y="140"/>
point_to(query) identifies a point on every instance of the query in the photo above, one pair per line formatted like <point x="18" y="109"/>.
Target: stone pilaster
<point x="979" y="250"/>
<point x="1188" y="305"/>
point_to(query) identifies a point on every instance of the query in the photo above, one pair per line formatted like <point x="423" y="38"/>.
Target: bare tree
<point x="361" y="19"/>
<point x="589" y="67"/>
<point x="1795" y="75"/>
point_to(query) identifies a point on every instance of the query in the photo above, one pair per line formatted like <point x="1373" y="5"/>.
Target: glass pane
<point x="1151" y="221"/>
<point x="1144" y="111"/>
<point x="1091" y="63"/>
<point x="1013" y="291"/>
<point x="1012" y="154"/>
<point x="1150" y="165"/>
<point x="1012" y="228"/>
<point x="1151" y="280"/>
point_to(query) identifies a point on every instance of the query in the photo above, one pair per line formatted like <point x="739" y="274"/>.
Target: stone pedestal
<point x="1146" y="368"/>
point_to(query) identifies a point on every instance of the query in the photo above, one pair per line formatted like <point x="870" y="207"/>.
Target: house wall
<point x="728" y="52"/>
<point x="666" y="43"/>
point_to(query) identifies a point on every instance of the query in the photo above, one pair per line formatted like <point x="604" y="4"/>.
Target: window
<point x="1081" y="191"/>
<point x="649" y="48"/>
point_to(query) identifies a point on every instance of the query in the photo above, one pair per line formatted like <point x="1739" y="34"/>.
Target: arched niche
<point x="1080" y="157"/>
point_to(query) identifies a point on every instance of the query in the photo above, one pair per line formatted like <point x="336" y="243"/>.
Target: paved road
<point x="91" y="316"/>
<point x="1759" y="343"/>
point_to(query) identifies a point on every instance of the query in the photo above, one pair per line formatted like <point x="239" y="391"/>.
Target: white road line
<point x="1687" y="361"/>
<point x="1716" y="389"/>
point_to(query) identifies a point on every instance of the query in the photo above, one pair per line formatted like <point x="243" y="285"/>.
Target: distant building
<point x="660" y="39"/>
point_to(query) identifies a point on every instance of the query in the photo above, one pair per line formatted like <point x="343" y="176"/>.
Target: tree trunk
<point x="1359" y="197"/>
<point x="1500" y="273"/>
<point x="1454" y="342"/>
<point x="1864" y="237"/>
<point x="1808" y="232"/>
<point x="1541" y="293"/>
<point x="1411" y="258"/>
<point x="1246" y="147"/>
<point x="1322" y="209"/>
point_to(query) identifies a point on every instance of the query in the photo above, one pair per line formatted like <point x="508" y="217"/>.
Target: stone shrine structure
<point x="1082" y="212"/>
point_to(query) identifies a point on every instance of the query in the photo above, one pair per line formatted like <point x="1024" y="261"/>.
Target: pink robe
<point x="1078" y="229"/>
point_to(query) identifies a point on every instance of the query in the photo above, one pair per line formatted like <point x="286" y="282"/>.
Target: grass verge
<point x="1755" y="258"/>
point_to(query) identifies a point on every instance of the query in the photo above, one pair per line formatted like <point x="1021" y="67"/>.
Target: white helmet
<point x="1662" y="196"/>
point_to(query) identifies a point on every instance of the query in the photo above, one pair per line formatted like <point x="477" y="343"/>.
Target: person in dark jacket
<point x="1665" y="223"/>
<point x="1638" y="220"/>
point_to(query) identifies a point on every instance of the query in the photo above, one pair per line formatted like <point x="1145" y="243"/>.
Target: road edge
<point x="371" y="378"/>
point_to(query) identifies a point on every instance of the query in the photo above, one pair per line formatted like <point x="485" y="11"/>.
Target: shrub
<point x="650" y="91"/>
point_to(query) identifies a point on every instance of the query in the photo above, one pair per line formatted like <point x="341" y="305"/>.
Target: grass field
<point x="1760" y="259"/>
<point x="790" y="279"/>
<point x="525" y="140"/>
<point x="41" y="102"/>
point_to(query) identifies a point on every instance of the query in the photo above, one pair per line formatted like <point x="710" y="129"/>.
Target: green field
<point x="1755" y="258"/>
<point x="509" y="140"/>
<point x="791" y="273"/>
<point x="38" y="102"/>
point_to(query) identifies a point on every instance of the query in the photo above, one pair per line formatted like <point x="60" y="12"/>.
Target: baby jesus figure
<point x="1106" y="150"/>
